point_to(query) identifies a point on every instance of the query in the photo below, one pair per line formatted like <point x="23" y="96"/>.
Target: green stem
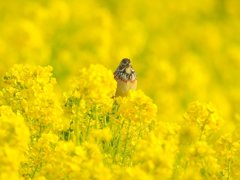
<point x="118" y="139"/>
<point x="126" y="143"/>
<point x="229" y="167"/>
<point x="76" y="130"/>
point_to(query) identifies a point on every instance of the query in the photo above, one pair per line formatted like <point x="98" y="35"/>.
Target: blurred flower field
<point x="58" y="119"/>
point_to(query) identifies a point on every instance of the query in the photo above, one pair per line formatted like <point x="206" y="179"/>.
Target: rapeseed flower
<point x="87" y="133"/>
<point x="14" y="139"/>
<point x="30" y="91"/>
<point x="58" y="112"/>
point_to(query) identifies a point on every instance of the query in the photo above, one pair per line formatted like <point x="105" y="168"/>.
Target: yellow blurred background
<point x="181" y="50"/>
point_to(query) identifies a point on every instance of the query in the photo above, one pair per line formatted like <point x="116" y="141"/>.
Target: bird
<point x="126" y="78"/>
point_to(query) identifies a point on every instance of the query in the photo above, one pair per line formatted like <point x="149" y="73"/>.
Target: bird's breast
<point x="124" y="86"/>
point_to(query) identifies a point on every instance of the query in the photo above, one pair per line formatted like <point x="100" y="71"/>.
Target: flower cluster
<point x="14" y="139"/>
<point x="57" y="105"/>
<point x="89" y="134"/>
<point x="30" y="91"/>
<point x="115" y="123"/>
<point x="203" y="119"/>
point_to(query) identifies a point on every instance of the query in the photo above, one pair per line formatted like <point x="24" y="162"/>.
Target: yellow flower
<point x="131" y="119"/>
<point x="103" y="134"/>
<point x="203" y="117"/>
<point x="84" y="162"/>
<point x="14" y="138"/>
<point x="227" y="149"/>
<point x="30" y="90"/>
<point x="94" y="84"/>
<point x="38" y="155"/>
<point x="155" y="154"/>
<point x="89" y="100"/>
<point x="137" y="107"/>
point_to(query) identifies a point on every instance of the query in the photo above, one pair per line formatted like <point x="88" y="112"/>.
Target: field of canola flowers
<point x="58" y="119"/>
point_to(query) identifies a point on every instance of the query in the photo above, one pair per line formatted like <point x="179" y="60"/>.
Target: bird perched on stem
<point x="126" y="78"/>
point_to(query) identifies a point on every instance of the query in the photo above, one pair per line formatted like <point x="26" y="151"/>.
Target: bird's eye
<point x="125" y="61"/>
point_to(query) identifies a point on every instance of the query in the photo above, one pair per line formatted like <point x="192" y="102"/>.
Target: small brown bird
<point x="126" y="78"/>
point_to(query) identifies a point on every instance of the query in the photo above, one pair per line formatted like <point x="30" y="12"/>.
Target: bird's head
<point x="126" y="65"/>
